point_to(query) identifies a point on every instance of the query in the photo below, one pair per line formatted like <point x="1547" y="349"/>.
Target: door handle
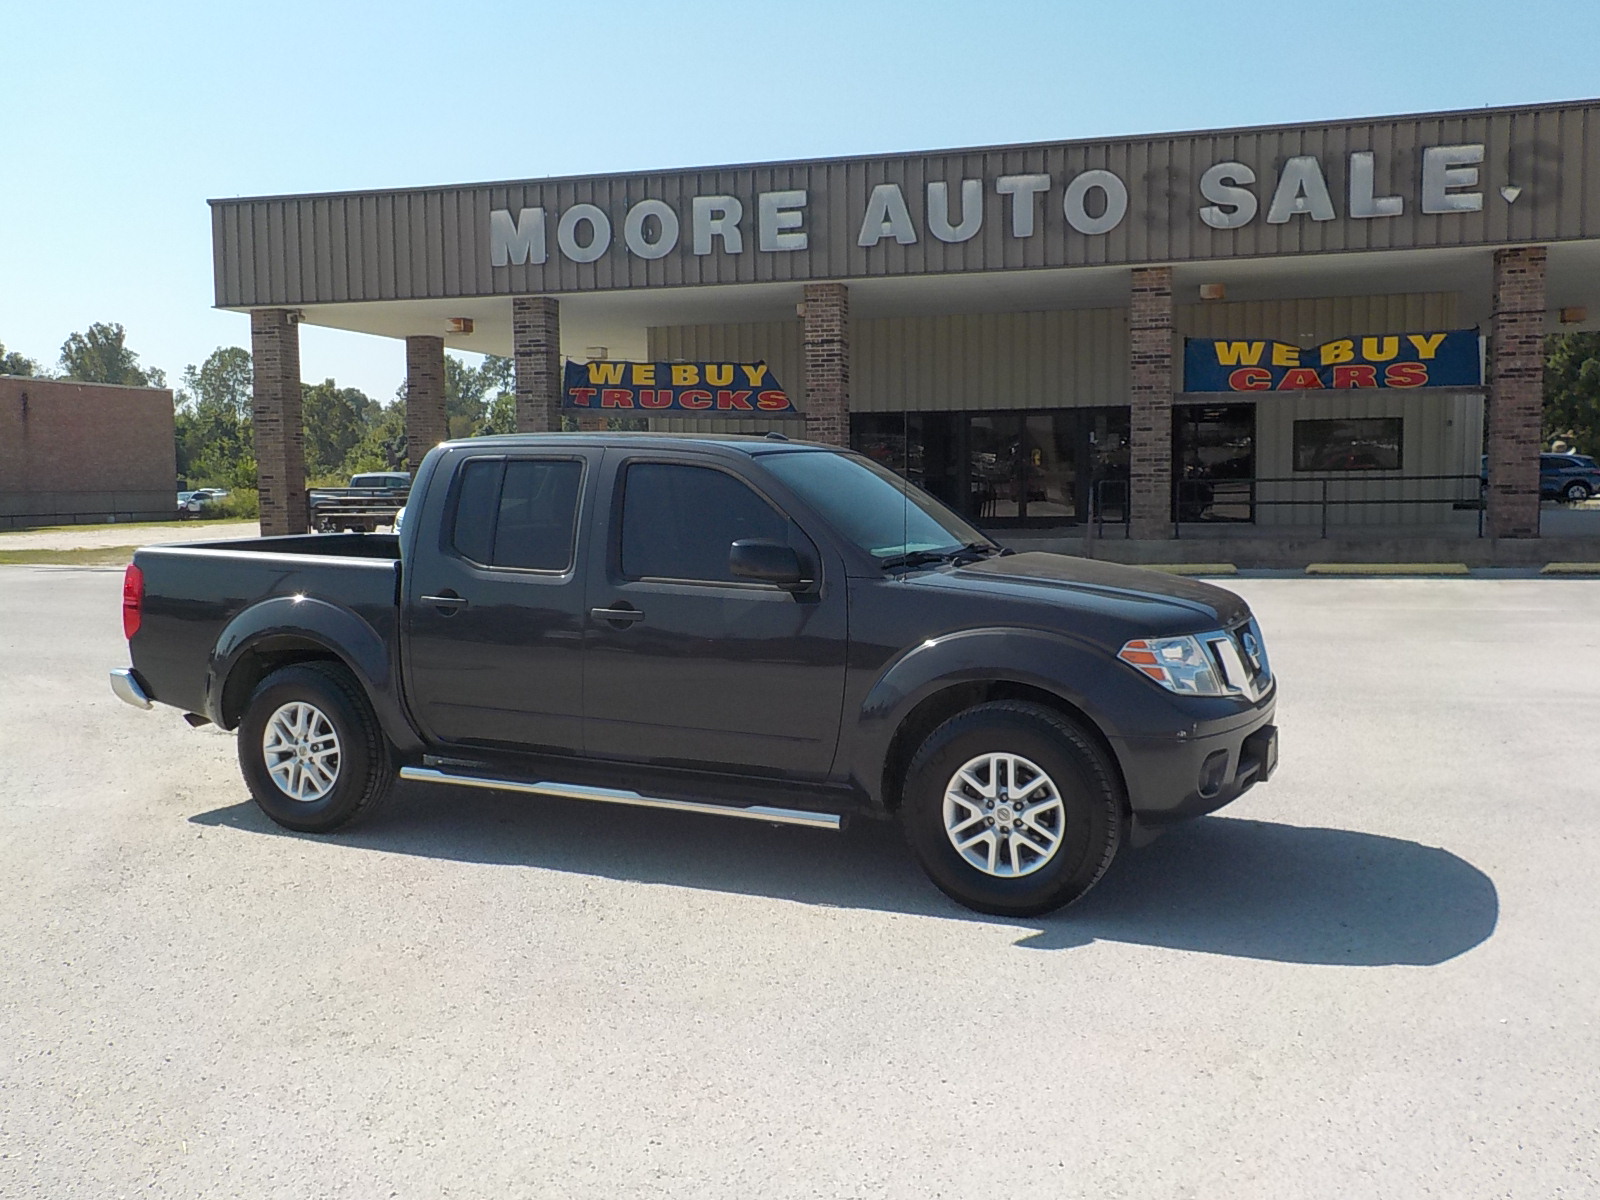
<point x="449" y="602"/>
<point x="626" y="615"/>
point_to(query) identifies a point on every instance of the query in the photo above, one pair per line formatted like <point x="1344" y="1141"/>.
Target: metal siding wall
<point x="1064" y="359"/>
<point x="1441" y="436"/>
<point x="1317" y="320"/>
<point x="1075" y="358"/>
<point x="1549" y="151"/>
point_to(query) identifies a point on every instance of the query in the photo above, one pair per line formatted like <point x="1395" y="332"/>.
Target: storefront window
<point x="1006" y="468"/>
<point x="1214" y="462"/>
<point x="1349" y="444"/>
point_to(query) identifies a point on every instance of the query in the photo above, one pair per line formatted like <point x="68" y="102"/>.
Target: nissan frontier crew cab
<point x="742" y="626"/>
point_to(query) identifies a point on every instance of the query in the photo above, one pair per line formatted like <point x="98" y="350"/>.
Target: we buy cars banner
<point x="717" y="388"/>
<point x="1391" y="360"/>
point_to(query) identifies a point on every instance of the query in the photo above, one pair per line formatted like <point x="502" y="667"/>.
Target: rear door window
<point x="519" y="513"/>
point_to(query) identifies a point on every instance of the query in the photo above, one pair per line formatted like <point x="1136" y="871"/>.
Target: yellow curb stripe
<point x="1192" y="568"/>
<point x="1387" y="569"/>
<point x="1571" y="569"/>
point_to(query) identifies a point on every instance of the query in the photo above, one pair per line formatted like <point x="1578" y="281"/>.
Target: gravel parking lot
<point x="1375" y="976"/>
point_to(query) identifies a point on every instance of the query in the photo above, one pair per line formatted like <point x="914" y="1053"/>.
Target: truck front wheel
<point x="311" y="749"/>
<point x="1012" y="809"/>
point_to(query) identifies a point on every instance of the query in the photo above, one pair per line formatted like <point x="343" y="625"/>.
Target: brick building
<point x="78" y="453"/>
<point x="1023" y="329"/>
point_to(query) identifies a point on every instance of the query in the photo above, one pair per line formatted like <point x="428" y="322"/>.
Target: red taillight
<point x="132" y="600"/>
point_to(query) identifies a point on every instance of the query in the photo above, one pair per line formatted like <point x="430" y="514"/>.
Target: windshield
<point x="868" y="504"/>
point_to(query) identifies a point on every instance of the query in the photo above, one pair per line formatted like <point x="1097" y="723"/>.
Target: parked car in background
<point x="1570" y="477"/>
<point x="372" y="499"/>
<point x="194" y="502"/>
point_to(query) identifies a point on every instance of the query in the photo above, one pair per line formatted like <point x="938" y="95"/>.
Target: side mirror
<point x="770" y="562"/>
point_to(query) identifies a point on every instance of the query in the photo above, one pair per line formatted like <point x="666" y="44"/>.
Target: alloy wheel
<point x="301" y="750"/>
<point x="1003" y="814"/>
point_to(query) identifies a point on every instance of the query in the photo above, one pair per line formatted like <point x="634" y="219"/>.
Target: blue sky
<point x="118" y="121"/>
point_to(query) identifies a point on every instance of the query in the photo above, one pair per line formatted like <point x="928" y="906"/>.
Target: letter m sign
<point x="519" y="241"/>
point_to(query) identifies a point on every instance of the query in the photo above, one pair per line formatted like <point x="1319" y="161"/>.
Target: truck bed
<point x="195" y="591"/>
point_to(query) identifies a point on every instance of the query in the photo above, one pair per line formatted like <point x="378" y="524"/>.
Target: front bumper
<point x="129" y="689"/>
<point x="1173" y="779"/>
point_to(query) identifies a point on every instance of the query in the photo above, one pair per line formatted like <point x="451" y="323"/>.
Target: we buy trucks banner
<point x="717" y="388"/>
<point x="1391" y="360"/>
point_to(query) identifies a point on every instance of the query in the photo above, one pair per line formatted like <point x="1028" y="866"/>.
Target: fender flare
<point x="1057" y="663"/>
<point x="339" y="631"/>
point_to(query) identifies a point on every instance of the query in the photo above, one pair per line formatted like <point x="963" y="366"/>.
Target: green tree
<point x="336" y="421"/>
<point x="1572" y="390"/>
<point x="13" y="363"/>
<point x="500" y="415"/>
<point x="500" y="372"/>
<point x="383" y="443"/>
<point x="222" y="382"/>
<point x="102" y="356"/>
<point x="464" y="391"/>
<point x="216" y="440"/>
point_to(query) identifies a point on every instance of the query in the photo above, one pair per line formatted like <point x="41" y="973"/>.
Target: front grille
<point x="1253" y="649"/>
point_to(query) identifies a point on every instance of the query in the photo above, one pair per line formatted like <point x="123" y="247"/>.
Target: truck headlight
<point x="1179" y="664"/>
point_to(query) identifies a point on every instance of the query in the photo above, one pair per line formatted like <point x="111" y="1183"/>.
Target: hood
<point x="1102" y="582"/>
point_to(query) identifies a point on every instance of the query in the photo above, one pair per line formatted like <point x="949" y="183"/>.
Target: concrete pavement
<point x="1374" y="976"/>
<point x="106" y="536"/>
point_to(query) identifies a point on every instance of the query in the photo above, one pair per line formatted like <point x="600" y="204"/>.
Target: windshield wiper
<point x="971" y="552"/>
<point x="918" y="558"/>
<point x="974" y="551"/>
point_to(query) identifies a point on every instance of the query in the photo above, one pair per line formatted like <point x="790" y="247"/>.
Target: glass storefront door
<point x="1005" y="468"/>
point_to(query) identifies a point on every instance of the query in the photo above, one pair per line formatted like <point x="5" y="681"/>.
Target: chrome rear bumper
<point x="126" y="686"/>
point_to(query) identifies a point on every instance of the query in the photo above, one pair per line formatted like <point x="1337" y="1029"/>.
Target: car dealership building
<point x="1307" y="329"/>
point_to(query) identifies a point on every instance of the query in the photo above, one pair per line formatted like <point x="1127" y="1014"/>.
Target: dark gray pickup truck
<point x="742" y="626"/>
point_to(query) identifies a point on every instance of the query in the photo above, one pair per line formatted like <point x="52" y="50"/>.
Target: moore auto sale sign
<point x="1229" y="195"/>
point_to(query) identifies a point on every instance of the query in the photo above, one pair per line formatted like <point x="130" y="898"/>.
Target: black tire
<point x="1091" y="815"/>
<point x="363" y="770"/>
<point x="1576" y="492"/>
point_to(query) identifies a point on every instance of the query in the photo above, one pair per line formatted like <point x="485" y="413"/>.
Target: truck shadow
<point x="1219" y="885"/>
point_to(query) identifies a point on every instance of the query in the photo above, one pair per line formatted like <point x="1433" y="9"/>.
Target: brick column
<point x="827" y="348"/>
<point x="1150" y="377"/>
<point x="275" y="410"/>
<point x="536" y="344"/>
<point x="426" y="422"/>
<point x="1516" y="392"/>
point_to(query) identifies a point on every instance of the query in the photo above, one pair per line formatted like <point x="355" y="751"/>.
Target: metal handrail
<point x="1251" y="486"/>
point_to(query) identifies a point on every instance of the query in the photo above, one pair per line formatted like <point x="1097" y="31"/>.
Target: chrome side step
<point x="575" y="791"/>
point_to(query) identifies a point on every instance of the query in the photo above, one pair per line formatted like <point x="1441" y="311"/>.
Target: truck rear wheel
<point x="311" y="750"/>
<point x="1012" y="809"/>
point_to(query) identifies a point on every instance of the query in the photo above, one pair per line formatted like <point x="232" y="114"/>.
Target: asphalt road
<point x="1373" y="977"/>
